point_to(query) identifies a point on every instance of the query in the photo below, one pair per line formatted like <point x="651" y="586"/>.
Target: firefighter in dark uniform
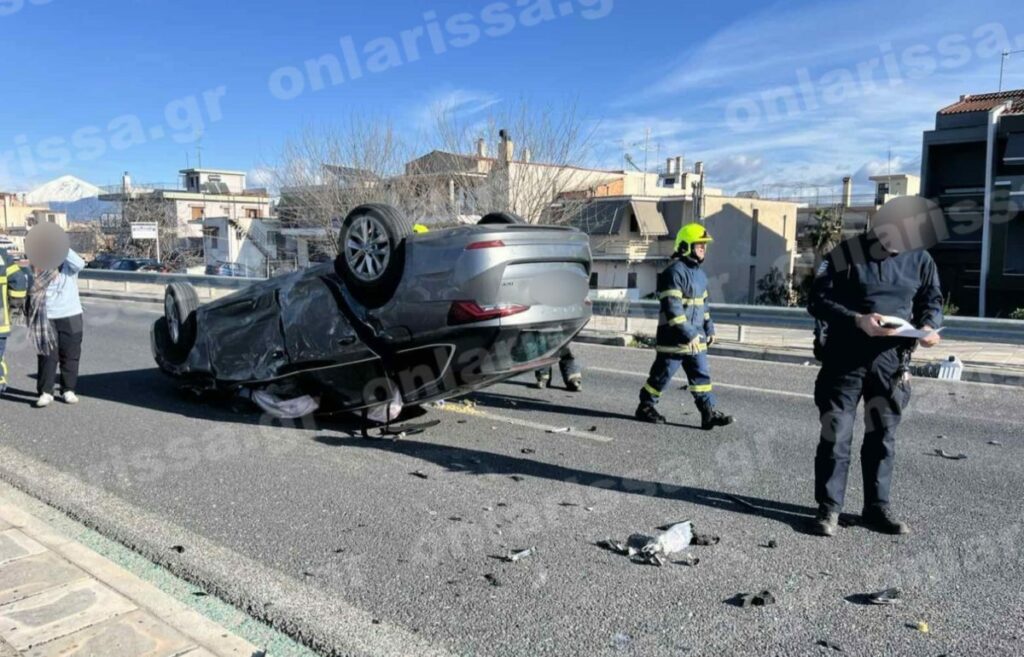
<point x="13" y="287"/>
<point x="862" y="280"/>
<point x="572" y="375"/>
<point x="685" y="331"/>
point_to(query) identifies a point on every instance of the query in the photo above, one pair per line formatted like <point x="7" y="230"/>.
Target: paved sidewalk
<point x="60" y="599"/>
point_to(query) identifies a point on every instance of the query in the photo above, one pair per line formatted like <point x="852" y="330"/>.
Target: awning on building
<point x="1014" y="149"/>
<point x="650" y="221"/>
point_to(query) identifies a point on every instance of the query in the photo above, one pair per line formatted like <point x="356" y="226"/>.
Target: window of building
<point x="631" y="280"/>
<point x="752" y="285"/>
<point x="1014" y="262"/>
<point x="214" y="234"/>
<point x="51" y="218"/>
<point x="252" y="213"/>
<point x="634" y="225"/>
<point x="1014" y="149"/>
<point x="593" y="281"/>
<point x="198" y="213"/>
<point x="755" y="228"/>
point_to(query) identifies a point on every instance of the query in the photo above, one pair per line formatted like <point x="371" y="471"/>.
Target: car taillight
<point x="467" y="312"/>
<point x="492" y="244"/>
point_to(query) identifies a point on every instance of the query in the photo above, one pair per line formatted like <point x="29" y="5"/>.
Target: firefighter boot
<point x="648" y="413"/>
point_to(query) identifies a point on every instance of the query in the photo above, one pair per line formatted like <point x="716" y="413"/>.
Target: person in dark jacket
<point x="13" y="287"/>
<point x="685" y="331"/>
<point x="859" y="287"/>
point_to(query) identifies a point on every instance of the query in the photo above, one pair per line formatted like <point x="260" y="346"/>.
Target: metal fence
<point x="973" y="329"/>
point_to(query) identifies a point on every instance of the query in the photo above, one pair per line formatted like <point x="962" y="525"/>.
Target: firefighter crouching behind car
<point x="13" y="287"/>
<point x="685" y="331"/>
<point x="861" y="280"/>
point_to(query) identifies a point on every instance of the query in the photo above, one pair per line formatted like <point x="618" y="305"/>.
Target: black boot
<point x="574" y="383"/>
<point x="543" y="379"/>
<point x="710" y="418"/>
<point x="826" y="522"/>
<point x="647" y="413"/>
<point x="881" y="520"/>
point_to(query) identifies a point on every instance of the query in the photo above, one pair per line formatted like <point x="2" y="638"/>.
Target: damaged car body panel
<point x="473" y="305"/>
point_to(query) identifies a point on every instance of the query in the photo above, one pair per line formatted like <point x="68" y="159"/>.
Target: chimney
<point x="847" y="191"/>
<point x="507" y="149"/>
<point x="671" y="162"/>
<point x="481" y="147"/>
<point x="698" y="168"/>
<point x="126" y="183"/>
<point x="679" y="164"/>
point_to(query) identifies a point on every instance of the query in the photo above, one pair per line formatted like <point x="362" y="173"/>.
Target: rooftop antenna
<point x="199" y="151"/>
<point x="1002" y="63"/>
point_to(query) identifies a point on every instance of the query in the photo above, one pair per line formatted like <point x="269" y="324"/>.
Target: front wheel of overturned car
<point x="371" y="255"/>
<point x="180" y="304"/>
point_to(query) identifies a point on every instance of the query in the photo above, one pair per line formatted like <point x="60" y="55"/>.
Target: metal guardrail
<point x="971" y="329"/>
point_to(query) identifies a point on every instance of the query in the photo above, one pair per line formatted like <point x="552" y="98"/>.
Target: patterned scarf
<point x="38" y="324"/>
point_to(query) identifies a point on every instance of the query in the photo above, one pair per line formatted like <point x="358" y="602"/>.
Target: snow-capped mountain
<point x="66" y="189"/>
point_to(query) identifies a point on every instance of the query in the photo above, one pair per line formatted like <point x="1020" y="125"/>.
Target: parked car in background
<point x="133" y="264"/>
<point x="234" y="269"/>
<point x="157" y="268"/>
<point x="103" y="261"/>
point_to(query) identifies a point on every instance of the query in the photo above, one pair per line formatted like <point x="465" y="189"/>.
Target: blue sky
<point x="765" y="93"/>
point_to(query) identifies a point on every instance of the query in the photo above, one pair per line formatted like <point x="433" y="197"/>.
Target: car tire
<point x="371" y="258"/>
<point x="500" y="218"/>
<point x="180" y="304"/>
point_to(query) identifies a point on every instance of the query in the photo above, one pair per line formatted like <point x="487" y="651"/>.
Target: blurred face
<point x="699" y="251"/>
<point x="908" y="223"/>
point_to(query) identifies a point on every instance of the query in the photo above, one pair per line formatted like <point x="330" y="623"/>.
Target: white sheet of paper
<point x="905" y="328"/>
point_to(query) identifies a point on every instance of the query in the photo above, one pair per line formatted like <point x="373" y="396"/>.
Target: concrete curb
<point x="123" y="602"/>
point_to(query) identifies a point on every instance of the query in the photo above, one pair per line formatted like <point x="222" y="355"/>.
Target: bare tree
<point x="144" y="206"/>
<point x="328" y="170"/>
<point x="520" y="158"/>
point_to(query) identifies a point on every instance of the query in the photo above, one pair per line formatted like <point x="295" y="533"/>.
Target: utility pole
<point x="1002" y="63"/>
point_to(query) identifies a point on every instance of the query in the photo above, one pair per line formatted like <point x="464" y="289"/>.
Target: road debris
<point x="743" y="502"/>
<point x="653" y="550"/>
<point x="419" y="474"/>
<point x="528" y="450"/>
<point x="887" y="597"/>
<point x="519" y="555"/>
<point x="492" y="579"/>
<point x="772" y="544"/>
<point x="922" y="627"/>
<point x="705" y="539"/>
<point x="621" y="640"/>
<point x="995" y="443"/>
<point x="567" y="504"/>
<point x="516" y="478"/>
<point x="688" y="560"/>
<point x="560" y="430"/>
<point x="952" y="457"/>
<point x="762" y="599"/>
<point x="592" y="429"/>
<point x="828" y="644"/>
<point x="178" y="548"/>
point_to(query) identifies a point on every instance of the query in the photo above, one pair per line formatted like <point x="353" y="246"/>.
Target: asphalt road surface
<point x="395" y="547"/>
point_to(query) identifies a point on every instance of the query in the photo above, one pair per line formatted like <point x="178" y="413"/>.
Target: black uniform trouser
<point x="67" y="354"/>
<point x="567" y="365"/>
<point x="839" y="389"/>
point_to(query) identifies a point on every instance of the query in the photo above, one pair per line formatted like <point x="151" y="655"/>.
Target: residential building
<point x="17" y="214"/>
<point x="248" y="245"/>
<point x="201" y="193"/>
<point x="632" y="239"/>
<point x="895" y="185"/>
<point x="972" y="165"/>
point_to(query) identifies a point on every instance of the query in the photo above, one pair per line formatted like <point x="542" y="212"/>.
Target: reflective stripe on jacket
<point x="13" y="285"/>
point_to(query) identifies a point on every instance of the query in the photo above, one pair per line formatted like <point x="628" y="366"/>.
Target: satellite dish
<point x="47" y="246"/>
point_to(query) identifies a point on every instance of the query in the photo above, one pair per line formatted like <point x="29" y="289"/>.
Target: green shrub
<point x="1017" y="314"/>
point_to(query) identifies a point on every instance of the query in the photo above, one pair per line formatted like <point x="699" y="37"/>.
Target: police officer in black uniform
<point x="885" y="272"/>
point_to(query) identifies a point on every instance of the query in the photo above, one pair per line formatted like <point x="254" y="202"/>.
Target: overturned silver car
<point x="399" y="315"/>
